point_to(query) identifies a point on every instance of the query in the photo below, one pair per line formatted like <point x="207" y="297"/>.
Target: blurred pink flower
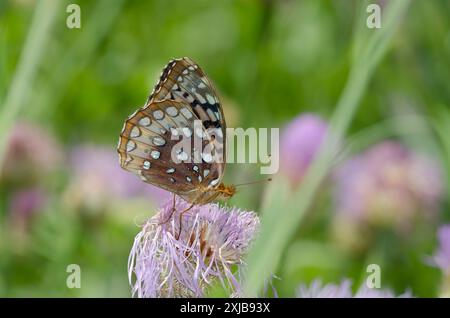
<point x="388" y="185"/>
<point x="209" y="248"/>
<point x="343" y="290"/>
<point x="24" y="205"/>
<point x="442" y="256"/>
<point x="98" y="178"/>
<point x="31" y="152"/>
<point x="299" y="144"/>
<point x="317" y="290"/>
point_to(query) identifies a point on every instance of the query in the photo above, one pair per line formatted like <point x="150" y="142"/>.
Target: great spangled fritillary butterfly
<point x="182" y="97"/>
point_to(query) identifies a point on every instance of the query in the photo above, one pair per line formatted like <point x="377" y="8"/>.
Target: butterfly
<point x="183" y="105"/>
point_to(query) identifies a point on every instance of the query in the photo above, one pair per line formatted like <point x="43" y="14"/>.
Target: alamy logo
<point x="73" y="20"/>
<point x="249" y="145"/>
<point x="374" y="19"/>
<point x="374" y="278"/>
<point x="74" y="278"/>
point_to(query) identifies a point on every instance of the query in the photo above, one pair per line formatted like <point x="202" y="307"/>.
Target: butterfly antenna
<point x="253" y="182"/>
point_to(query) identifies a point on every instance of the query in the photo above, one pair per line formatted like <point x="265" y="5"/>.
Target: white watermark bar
<point x="251" y="145"/>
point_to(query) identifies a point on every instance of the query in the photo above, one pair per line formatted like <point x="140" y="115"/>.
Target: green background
<point x="270" y="61"/>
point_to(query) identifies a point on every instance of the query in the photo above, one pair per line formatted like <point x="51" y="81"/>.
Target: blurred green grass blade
<point x="361" y="32"/>
<point x="442" y="128"/>
<point x="266" y="253"/>
<point x="35" y="44"/>
<point x="413" y="128"/>
<point x="283" y="212"/>
<point x="99" y="22"/>
<point x="3" y="63"/>
<point x="379" y="42"/>
<point x="364" y="66"/>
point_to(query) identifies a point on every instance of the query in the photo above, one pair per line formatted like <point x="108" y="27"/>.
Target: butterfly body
<point x="182" y="106"/>
<point x="205" y="195"/>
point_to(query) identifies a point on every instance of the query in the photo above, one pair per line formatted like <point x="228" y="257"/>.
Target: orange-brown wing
<point x="183" y="80"/>
<point x="183" y="95"/>
<point x="153" y="146"/>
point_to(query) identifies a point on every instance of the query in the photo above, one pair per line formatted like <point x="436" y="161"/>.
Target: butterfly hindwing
<point x="183" y="104"/>
<point x="150" y="147"/>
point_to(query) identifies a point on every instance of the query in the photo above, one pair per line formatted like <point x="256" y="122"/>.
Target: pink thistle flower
<point x="388" y="184"/>
<point x="24" y="205"/>
<point x="210" y="248"/>
<point x="31" y="153"/>
<point x="299" y="144"/>
<point x="317" y="290"/>
<point x="343" y="290"/>
<point x="441" y="258"/>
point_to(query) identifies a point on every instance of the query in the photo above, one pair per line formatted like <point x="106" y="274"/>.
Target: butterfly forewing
<point x="183" y="80"/>
<point x="150" y="145"/>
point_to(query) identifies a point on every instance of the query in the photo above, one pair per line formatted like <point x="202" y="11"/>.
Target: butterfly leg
<point x="173" y="210"/>
<point x="181" y="219"/>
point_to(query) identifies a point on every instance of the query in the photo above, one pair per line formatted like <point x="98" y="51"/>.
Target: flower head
<point x="167" y="261"/>
<point x="442" y="256"/>
<point x="343" y="290"/>
<point x="317" y="290"/>
<point x="388" y="185"/>
<point x="31" y="153"/>
<point x="24" y="205"/>
<point x="300" y="141"/>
